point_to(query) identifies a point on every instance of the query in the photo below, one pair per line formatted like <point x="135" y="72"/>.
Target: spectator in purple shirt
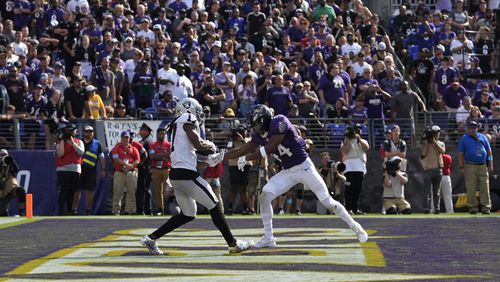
<point x="358" y="111"/>
<point x="331" y="87"/>
<point x="453" y="96"/>
<point x="279" y="97"/>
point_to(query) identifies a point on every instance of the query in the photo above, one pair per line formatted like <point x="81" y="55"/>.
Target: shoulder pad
<point x="187" y="118"/>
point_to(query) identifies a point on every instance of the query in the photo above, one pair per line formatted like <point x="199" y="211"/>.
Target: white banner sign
<point x="114" y="128"/>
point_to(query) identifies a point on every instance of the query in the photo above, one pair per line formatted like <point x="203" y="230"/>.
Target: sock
<point x="266" y="211"/>
<point x="220" y="221"/>
<point x="173" y="223"/>
<point x="339" y="210"/>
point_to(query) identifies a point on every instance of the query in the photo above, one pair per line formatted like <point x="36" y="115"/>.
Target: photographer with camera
<point x="394" y="181"/>
<point x="332" y="174"/>
<point x="9" y="188"/>
<point x="395" y="147"/>
<point x="431" y="158"/>
<point x="69" y="152"/>
<point x="354" y="150"/>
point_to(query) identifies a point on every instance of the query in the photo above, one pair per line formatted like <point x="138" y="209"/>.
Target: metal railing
<point x="325" y="133"/>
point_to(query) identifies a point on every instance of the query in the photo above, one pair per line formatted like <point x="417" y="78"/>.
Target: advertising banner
<point x="113" y="129"/>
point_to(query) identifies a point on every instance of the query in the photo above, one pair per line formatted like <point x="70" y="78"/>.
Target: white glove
<point x="216" y="158"/>
<point x="242" y="162"/>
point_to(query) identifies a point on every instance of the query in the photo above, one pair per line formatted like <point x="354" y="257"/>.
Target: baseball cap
<point x="125" y="133"/>
<point x="440" y="47"/>
<point x="473" y="123"/>
<point x="44" y="76"/>
<point x="229" y="112"/>
<point x="381" y="46"/>
<point x="156" y="26"/>
<point x="4" y="152"/>
<point x="435" y="128"/>
<point x="144" y="126"/>
<point x="90" y="88"/>
<point x="88" y="127"/>
<point x="218" y="44"/>
<point x="226" y="63"/>
<point x="39" y="86"/>
<point x="207" y="70"/>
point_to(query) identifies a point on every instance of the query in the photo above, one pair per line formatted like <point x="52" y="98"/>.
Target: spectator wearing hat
<point x="438" y="56"/>
<point x="278" y="97"/>
<point x="226" y="80"/>
<point x="146" y="32"/>
<point x="293" y="74"/>
<point x="94" y="103"/>
<point x="126" y="159"/>
<point x="453" y="96"/>
<point x="358" y="112"/>
<point x="331" y="87"/>
<point x="34" y="107"/>
<point x="432" y="162"/>
<point x="159" y="153"/>
<point x="395" y="147"/>
<point x="245" y="70"/>
<point x="69" y="151"/>
<point x="167" y="77"/>
<point x="85" y="54"/>
<point x="75" y="98"/>
<point x="59" y="80"/>
<point x="92" y="155"/>
<point x="476" y="162"/>
<point x="245" y="45"/>
<point x="104" y="78"/>
<point x="391" y="83"/>
<point x="143" y="86"/>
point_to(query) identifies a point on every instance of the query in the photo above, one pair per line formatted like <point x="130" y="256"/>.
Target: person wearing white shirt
<point x="460" y="47"/>
<point x="184" y="86"/>
<point x="167" y="77"/>
<point x="18" y="46"/>
<point x="226" y="80"/>
<point x="351" y="47"/>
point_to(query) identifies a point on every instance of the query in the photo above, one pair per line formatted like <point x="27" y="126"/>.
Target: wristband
<point x="490" y="158"/>
<point x="263" y="151"/>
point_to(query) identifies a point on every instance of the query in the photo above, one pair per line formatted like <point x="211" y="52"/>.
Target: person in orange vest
<point x="126" y="159"/>
<point x="69" y="151"/>
<point x="159" y="153"/>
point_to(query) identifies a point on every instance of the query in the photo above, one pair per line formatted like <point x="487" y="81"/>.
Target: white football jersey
<point x="183" y="153"/>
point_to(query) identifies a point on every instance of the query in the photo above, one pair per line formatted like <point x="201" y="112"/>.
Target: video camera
<point x="351" y="131"/>
<point x="392" y="165"/>
<point x="337" y="166"/>
<point x="430" y="132"/>
<point x="65" y="133"/>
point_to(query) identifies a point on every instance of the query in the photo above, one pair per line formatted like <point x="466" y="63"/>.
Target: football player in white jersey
<point x="189" y="186"/>
<point x="276" y="135"/>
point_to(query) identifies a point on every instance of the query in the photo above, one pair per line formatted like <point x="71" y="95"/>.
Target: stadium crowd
<point x="96" y="59"/>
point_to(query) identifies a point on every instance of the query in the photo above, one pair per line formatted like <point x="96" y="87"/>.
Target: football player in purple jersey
<point x="277" y="136"/>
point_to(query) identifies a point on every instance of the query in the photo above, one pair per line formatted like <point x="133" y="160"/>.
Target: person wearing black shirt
<point x="17" y="91"/>
<point x="255" y="21"/>
<point x="212" y="95"/>
<point x="74" y="98"/>
<point x="423" y="73"/>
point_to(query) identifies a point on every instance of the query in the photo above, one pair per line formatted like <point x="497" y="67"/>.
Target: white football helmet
<point x="190" y="106"/>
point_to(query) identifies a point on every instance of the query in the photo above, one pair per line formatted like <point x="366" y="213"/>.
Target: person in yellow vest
<point x="88" y="179"/>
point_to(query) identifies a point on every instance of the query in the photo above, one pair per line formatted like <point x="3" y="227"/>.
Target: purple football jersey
<point x="292" y="151"/>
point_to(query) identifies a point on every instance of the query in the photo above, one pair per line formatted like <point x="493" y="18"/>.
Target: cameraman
<point x="331" y="173"/>
<point x="354" y="157"/>
<point x="395" y="147"/>
<point x="69" y="152"/>
<point x="9" y="188"/>
<point x="394" y="181"/>
<point x="431" y="159"/>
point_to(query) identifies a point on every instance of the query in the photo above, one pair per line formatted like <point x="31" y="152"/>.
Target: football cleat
<point x="240" y="246"/>
<point x="151" y="245"/>
<point x="360" y="232"/>
<point x="265" y="242"/>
